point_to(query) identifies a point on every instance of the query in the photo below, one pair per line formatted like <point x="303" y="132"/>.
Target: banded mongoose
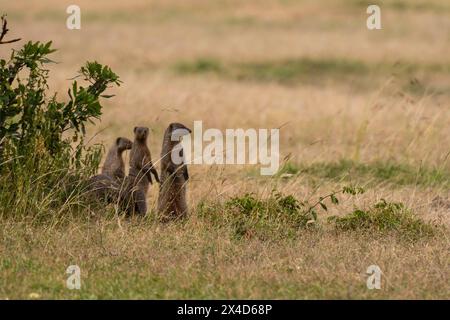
<point x="174" y="175"/>
<point x="114" y="165"/>
<point x="105" y="186"/>
<point x="140" y="174"/>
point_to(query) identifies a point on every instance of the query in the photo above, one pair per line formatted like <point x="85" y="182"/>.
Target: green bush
<point x="43" y="157"/>
<point x="385" y="217"/>
<point x="277" y="216"/>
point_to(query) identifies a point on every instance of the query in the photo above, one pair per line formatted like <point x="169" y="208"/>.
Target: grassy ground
<point x="361" y="107"/>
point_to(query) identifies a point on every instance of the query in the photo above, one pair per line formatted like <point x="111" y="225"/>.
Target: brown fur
<point x="103" y="188"/>
<point x="172" y="193"/>
<point x="114" y="165"/>
<point x="139" y="177"/>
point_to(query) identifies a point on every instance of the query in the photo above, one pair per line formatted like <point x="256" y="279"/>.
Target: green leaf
<point x="314" y="214"/>
<point x="334" y="200"/>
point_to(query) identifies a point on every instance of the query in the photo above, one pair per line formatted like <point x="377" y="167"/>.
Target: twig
<point x="5" y="31"/>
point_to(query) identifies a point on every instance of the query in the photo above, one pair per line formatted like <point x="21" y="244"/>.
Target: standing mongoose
<point x="174" y="175"/>
<point x="114" y="166"/>
<point x="140" y="174"/>
<point x="105" y="186"/>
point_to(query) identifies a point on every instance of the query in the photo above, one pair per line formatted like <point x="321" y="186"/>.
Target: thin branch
<point x="321" y="199"/>
<point x="5" y="31"/>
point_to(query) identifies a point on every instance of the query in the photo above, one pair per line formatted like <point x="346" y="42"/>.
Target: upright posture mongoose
<point x="139" y="176"/>
<point x="174" y="175"/>
<point x="114" y="166"/>
<point x="105" y="186"/>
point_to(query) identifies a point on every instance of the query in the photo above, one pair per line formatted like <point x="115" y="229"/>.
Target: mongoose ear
<point x="134" y="130"/>
<point x="118" y="141"/>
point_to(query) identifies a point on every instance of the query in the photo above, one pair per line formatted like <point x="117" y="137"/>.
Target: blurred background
<point x="339" y="90"/>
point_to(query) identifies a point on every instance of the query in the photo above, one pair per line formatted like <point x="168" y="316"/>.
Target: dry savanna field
<point x="356" y="107"/>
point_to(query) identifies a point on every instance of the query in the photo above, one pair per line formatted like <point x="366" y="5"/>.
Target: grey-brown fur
<point x="114" y="165"/>
<point x="103" y="188"/>
<point x="140" y="174"/>
<point x="172" y="194"/>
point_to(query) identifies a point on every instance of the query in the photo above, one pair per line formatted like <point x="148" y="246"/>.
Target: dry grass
<point x="327" y="117"/>
<point x="138" y="260"/>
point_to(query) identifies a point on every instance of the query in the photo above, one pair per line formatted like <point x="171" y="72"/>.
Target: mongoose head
<point x="123" y="144"/>
<point x="141" y="133"/>
<point x="177" y="131"/>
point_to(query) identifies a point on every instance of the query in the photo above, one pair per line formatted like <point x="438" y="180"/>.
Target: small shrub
<point x="278" y="215"/>
<point x="43" y="157"/>
<point x="385" y="217"/>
